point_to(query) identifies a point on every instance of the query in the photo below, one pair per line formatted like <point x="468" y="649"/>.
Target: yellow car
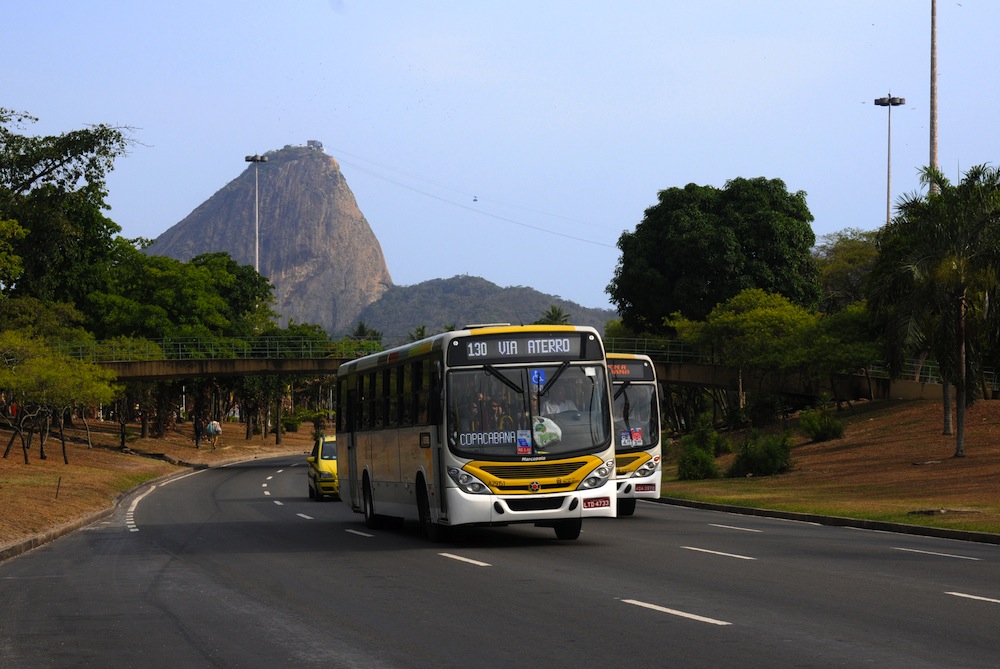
<point x="323" y="479"/>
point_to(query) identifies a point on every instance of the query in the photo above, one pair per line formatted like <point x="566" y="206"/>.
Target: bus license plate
<point x="596" y="502"/>
<point x="645" y="487"/>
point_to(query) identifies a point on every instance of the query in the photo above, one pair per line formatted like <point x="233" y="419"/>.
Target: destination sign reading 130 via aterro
<point x="491" y="349"/>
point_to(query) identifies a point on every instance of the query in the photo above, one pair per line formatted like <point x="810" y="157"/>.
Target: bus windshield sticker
<point x="524" y="442"/>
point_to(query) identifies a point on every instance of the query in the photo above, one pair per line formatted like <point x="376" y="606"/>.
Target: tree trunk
<point x="277" y="422"/>
<point x="946" y="402"/>
<point x="960" y="385"/>
<point x="13" y="436"/>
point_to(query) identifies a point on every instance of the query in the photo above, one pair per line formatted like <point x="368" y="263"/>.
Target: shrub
<point x="762" y="455"/>
<point x="696" y="463"/>
<point x="820" y="425"/>
<point x="706" y="437"/>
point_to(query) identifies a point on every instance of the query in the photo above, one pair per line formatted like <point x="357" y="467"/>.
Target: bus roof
<point x="439" y="341"/>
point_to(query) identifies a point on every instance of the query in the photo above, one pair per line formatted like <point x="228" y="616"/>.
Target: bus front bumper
<point x="466" y="509"/>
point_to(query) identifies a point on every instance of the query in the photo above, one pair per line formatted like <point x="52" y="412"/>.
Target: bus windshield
<point x="636" y="416"/>
<point x="529" y="410"/>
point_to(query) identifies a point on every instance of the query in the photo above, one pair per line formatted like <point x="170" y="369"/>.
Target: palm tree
<point x="554" y="316"/>
<point x="939" y="261"/>
<point x="417" y="333"/>
<point x="362" y="332"/>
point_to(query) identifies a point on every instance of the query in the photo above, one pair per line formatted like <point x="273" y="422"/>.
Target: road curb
<point x="47" y="536"/>
<point x="840" y="521"/>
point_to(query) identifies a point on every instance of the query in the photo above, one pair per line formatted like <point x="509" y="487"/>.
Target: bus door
<point x="438" y="445"/>
<point x="353" y="480"/>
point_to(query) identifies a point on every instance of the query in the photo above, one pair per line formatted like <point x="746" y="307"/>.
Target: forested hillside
<point x="460" y="300"/>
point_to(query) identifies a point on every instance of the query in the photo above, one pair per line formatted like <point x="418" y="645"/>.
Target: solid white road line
<point x="732" y="555"/>
<point x="976" y="597"/>
<point x="950" y="555"/>
<point x="465" y="559"/>
<point x="675" y="612"/>
<point x="733" y="527"/>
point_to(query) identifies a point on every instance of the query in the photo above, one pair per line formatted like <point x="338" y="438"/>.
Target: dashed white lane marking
<point x="452" y="556"/>
<point x="733" y="527"/>
<point x="976" y="597"/>
<point x="950" y="555"/>
<point x="130" y="514"/>
<point x="732" y="555"/>
<point x="675" y="612"/>
<point x="302" y="515"/>
<point x="360" y="533"/>
<point x="279" y="502"/>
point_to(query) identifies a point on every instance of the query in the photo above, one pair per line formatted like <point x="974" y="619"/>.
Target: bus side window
<point x="341" y="404"/>
<point x="405" y="399"/>
<point x="433" y="375"/>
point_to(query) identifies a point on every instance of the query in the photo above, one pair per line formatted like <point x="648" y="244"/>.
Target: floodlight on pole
<point x="889" y="102"/>
<point x="256" y="159"/>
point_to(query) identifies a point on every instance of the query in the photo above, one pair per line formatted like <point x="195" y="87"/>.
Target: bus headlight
<point x="648" y="468"/>
<point x="599" y="476"/>
<point x="468" y="482"/>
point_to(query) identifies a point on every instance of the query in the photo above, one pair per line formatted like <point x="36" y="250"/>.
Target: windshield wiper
<point x="618" y="393"/>
<point x="556" y="375"/>
<point x="493" y="371"/>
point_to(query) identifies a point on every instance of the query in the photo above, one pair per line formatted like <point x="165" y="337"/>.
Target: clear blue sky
<point x="512" y="140"/>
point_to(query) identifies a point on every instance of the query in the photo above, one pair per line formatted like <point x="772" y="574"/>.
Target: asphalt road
<point x="236" y="567"/>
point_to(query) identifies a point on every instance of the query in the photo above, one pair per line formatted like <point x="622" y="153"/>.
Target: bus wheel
<point x="431" y="530"/>
<point x="626" y="507"/>
<point x="371" y="520"/>
<point x="568" y="529"/>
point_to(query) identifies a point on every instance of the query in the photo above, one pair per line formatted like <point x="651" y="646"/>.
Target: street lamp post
<point x="256" y="159"/>
<point x="889" y="102"/>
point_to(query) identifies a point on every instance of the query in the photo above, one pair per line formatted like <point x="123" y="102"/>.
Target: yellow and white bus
<point x="636" y="409"/>
<point x="489" y="425"/>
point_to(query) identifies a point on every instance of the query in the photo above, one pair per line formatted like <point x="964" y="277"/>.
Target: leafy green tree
<point x="53" y="188"/>
<point x="938" y="267"/>
<point x="842" y="343"/>
<point x="844" y="260"/>
<point x="54" y="322"/>
<point x="246" y="293"/>
<point x="752" y="331"/>
<point x="156" y="296"/>
<point x="553" y="316"/>
<point x="700" y="245"/>
<point x="11" y="264"/>
<point x="38" y="383"/>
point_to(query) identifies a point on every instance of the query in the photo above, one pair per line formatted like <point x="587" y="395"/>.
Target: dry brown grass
<point x="893" y="464"/>
<point x="47" y="494"/>
<point x="893" y="460"/>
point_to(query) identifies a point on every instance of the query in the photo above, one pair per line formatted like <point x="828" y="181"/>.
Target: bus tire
<point x="626" y="507"/>
<point x="432" y="531"/>
<point x="567" y="530"/>
<point x="371" y="520"/>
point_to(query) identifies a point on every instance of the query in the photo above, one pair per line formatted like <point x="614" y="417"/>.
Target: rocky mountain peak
<point x="315" y="245"/>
